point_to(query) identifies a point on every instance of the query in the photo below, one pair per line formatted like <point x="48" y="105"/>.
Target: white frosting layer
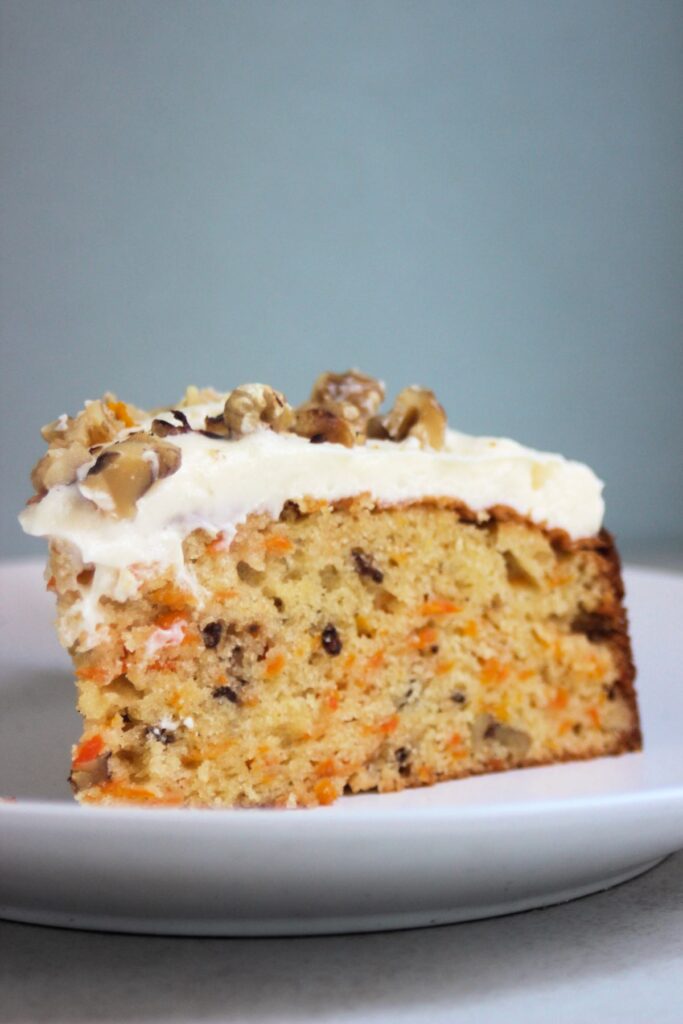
<point x="219" y="483"/>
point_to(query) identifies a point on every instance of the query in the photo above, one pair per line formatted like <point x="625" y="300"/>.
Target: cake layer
<point x="351" y="646"/>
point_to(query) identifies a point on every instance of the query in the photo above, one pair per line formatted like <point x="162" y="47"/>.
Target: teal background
<point x="485" y="197"/>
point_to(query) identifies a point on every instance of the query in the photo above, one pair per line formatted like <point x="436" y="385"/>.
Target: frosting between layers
<point x="220" y="483"/>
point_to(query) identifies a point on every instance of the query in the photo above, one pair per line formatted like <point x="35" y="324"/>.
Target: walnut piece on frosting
<point x="70" y="440"/>
<point x="353" y="396"/>
<point x="415" y="413"/>
<point x="343" y="409"/>
<point x="252" y="407"/>
<point x="319" y="424"/>
<point x="59" y="465"/>
<point x="126" y="470"/>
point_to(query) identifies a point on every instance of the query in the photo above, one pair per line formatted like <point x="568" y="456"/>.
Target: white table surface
<point x="616" y="956"/>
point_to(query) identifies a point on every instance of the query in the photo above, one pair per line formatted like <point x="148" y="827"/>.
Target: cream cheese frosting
<point x="220" y="483"/>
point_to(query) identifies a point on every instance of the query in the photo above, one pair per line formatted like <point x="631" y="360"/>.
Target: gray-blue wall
<point x="482" y="196"/>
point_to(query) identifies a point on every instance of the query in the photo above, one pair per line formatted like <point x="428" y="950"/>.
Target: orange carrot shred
<point x="493" y="671"/>
<point x="325" y="791"/>
<point x="218" y="544"/>
<point x="277" y="544"/>
<point x="87" y="751"/>
<point x="560" y="700"/>
<point x="440" y="606"/>
<point x="423" y="638"/>
<point x="94" y="673"/>
<point x="594" y="716"/>
<point x="120" y="410"/>
<point x="470" y="628"/>
<point x="274" y="665"/>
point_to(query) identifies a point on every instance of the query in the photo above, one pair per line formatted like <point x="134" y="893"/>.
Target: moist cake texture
<point x="274" y="606"/>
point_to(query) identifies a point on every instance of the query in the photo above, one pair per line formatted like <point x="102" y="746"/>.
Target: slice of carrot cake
<point x="268" y="605"/>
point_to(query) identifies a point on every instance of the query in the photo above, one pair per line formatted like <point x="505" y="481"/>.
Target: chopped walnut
<point x="59" y="466"/>
<point x="95" y="424"/>
<point x="352" y="395"/>
<point x="319" y="424"/>
<point x="485" y="727"/>
<point x="70" y="440"/>
<point x="91" y="773"/>
<point x="416" y="413"/>
<point x="179" y="424"/>
<point x="125" y="471"/>
<point x="252" y="407"/>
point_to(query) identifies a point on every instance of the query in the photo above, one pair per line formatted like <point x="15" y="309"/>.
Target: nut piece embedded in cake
<point x="125" y="471"/>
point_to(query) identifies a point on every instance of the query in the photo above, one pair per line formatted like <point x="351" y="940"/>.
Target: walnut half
<point x="353" y="395"/>
<point x="252" y="407"/>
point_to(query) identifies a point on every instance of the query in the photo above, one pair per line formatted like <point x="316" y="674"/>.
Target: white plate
<point x="454" y="852"/>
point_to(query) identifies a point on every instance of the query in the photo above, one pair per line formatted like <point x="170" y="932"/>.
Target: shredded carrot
<point x="325" y="791"/>
<point x="439" y="606"/>
<point x="493" y="671"/>
<point x="455" y="740"/>
<point x="88" y="750"/>
<point x="173" y="597"/>
<point x="594" y="716"/>
<point x="135" y="794"/>
<point x="444" y="667"/>
<point x="218" y="544"/>
<point x="385" y="728"/>
<point x="94" y="673"/>
<point x="162" y="665"/>
<point x="326" y="767"/>
<point x="423" y="638"/>
<point x="51" y="584"/>
<point x="525" y="673"/>
<point x="168" y="619"/>
<point x="470" y="628"/>
<point x="274" y="665"/>
<point x="375" y="660"/>
<point x="560" y="700"/>
<point x="277" y="544"/>
<point x="349" y="660"/>
<point x="333" y="701"/>
<point x="564" y="727"/>
<point x="120" y="410"/>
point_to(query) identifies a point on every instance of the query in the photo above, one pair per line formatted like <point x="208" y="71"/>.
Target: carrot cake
<point x="272" y="606"/>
